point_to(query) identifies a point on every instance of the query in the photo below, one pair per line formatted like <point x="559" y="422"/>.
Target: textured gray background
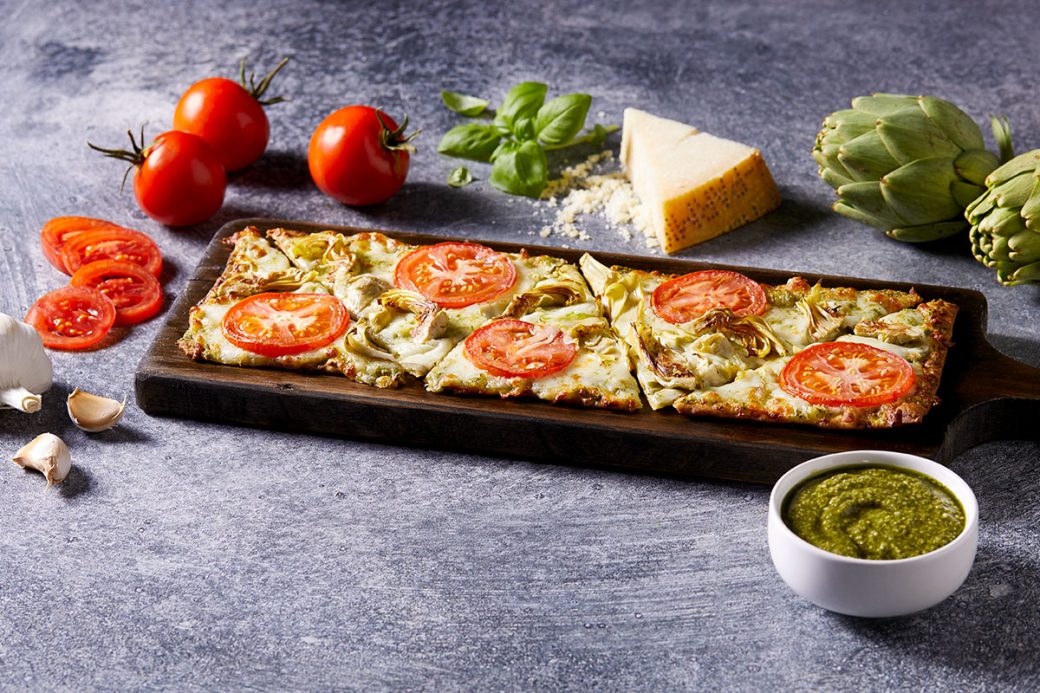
<point x="189" y="556"/>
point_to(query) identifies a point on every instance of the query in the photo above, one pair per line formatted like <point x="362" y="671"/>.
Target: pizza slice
<point x="265" y="311"/>
<point x="716" y="342"/>
<point x="559" y="354"/>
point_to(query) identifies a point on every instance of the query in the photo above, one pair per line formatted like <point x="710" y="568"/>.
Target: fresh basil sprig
<point x="524" y="127"/>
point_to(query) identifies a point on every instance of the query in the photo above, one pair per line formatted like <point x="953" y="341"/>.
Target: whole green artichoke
<point x="1005" y="221"/>
<point x="908" y="165"/>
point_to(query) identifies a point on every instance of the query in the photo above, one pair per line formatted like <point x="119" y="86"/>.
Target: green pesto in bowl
<point x="874" y="512"/>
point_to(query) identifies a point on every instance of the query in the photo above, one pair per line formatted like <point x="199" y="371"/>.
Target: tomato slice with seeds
<point x="123" y="245"/>
<point x="72" y="318"/>
<point x="280" y="324"/>
<point x="687" y="297"/>
<point x="837" y="374"/>
<point x="57" y="232"/>
<point x="518" y="349"/>
<point x="455" y="275"/>
<point x="132" y="289"/>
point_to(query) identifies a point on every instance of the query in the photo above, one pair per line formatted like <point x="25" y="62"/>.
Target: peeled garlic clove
<point x="93" y="413"/>
<point x="47" y="454"/>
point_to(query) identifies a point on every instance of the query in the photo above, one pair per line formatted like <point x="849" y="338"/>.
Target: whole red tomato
<point x="229" y="116"/>
<point x="179" y="179"/>
<point x="359" y="156"/>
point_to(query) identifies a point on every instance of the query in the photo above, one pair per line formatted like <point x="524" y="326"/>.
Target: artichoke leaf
<point x="965" y="193"/>
<point x="877" y="221"/>
<point x="884" y="104"/>
<point x="866" y="158"/>
<point x="1031" y="209"/>
<point x="1027" y="274"/>
<point x="1025" y="163"/>
<point x="1015" y="192"/>
<point x="955" y="123"/>
<point x="866" y="196"/>
<point x="975" y="164"/>
<point x="833" y="178"/>
<point x="925" y="233"/>
<point x="847" y="125"/>
<point x="919" y="192"/>
<point x="828" y="159"/>
<point x="1001" y="222"/>
<point x="913" y="136"/>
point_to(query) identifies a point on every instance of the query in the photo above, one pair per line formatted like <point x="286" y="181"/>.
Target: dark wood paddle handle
<point x="999" y="399"/>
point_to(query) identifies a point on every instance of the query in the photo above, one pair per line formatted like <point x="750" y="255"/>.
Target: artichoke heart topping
<point x="431" y="320"/>
<point x="749" y="331"/>
<point x="556" y="294"/>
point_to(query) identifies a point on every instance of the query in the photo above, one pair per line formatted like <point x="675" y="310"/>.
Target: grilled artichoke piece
<point x="553" y="294"/>
<point x="431" y="320"/>
<point x="907" y="165"/>
<point x="1005" y="221"/>
<point x="359" y="291"/>
<point x="750" y="331"/>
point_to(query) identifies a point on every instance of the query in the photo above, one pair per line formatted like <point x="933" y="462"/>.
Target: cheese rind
<point x="696" y="186"/>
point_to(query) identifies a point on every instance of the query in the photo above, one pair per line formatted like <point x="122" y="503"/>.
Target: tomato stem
<point x="257" y="90"/>
<point x="396" y="140"/>
<point x="135" y="155"/>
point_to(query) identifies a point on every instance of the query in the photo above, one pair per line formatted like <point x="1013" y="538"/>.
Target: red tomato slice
<point x="132" y="289"/>
<point x="122" y="245"/>
<point x="838" y="374"/>
<point x="279" y="324"/>
<point x="455" y="275"/>
<point x="687" y="297"/>
<point x="518" y="349"/>
<point x="72" y="318"/>
<point x="57" y="232"/>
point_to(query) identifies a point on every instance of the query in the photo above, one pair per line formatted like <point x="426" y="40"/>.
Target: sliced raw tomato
<point x="132" y="289"/>
<point x="687" y="297"/>
<point x="280" y="324"/>
<point x="57" y="232"/>
<point x="837" y="374"/>
<point x="518" y="349"/>
<point x="122" y="245"/>
<point x="72" y="318"/>
<point x="455" y="275"/>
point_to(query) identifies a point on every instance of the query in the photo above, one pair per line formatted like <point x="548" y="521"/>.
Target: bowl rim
<point x="965" y="496"/>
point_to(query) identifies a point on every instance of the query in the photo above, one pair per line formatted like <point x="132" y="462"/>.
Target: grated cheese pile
<point x="581" y="191"/>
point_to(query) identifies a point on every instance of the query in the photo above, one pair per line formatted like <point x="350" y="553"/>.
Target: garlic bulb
<point x="25" y="368"/>
<point x="93" y="413"/>
<point x="47" y="454"/>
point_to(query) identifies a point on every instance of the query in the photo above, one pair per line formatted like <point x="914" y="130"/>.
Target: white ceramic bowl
<point x="872" y="588"/>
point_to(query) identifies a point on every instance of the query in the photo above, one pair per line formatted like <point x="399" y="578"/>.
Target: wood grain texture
<point x="985" y="396"/>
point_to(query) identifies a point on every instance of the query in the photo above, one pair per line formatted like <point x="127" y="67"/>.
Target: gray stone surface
<point x="186" y="556"/>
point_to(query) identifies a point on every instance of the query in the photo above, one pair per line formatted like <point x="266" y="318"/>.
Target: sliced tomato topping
<point x="839" y="374"/>
<point x="280" y="324"/>
<point x="72" y="318"/>
<point x="455" y="275"/>
<point x="518" y="349"/>
<point x="687" y="297"/>
<point x="123" y="245"/>
<point x="132" y="289"/>
<point x="57" y="232"/>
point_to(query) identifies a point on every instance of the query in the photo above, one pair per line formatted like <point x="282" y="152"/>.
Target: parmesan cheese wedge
<point x="696" y="186"/>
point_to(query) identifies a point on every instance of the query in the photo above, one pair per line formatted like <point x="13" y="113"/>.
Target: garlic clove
<point x="93" y="413"/>
<point x="47" y="454"/>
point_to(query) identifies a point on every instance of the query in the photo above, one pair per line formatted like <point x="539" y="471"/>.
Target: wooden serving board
<point x="985" y="396"/>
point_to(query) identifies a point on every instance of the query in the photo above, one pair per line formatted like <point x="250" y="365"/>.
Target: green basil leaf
<point x="460" y="177"/>
<point x="562" y="118"/>
<point x="474" y="141"/>
<point x="469" y="106"/>
<point x="523" y="129"/>
<point x="521" y="169"/>
<point x="522" y="101"/>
